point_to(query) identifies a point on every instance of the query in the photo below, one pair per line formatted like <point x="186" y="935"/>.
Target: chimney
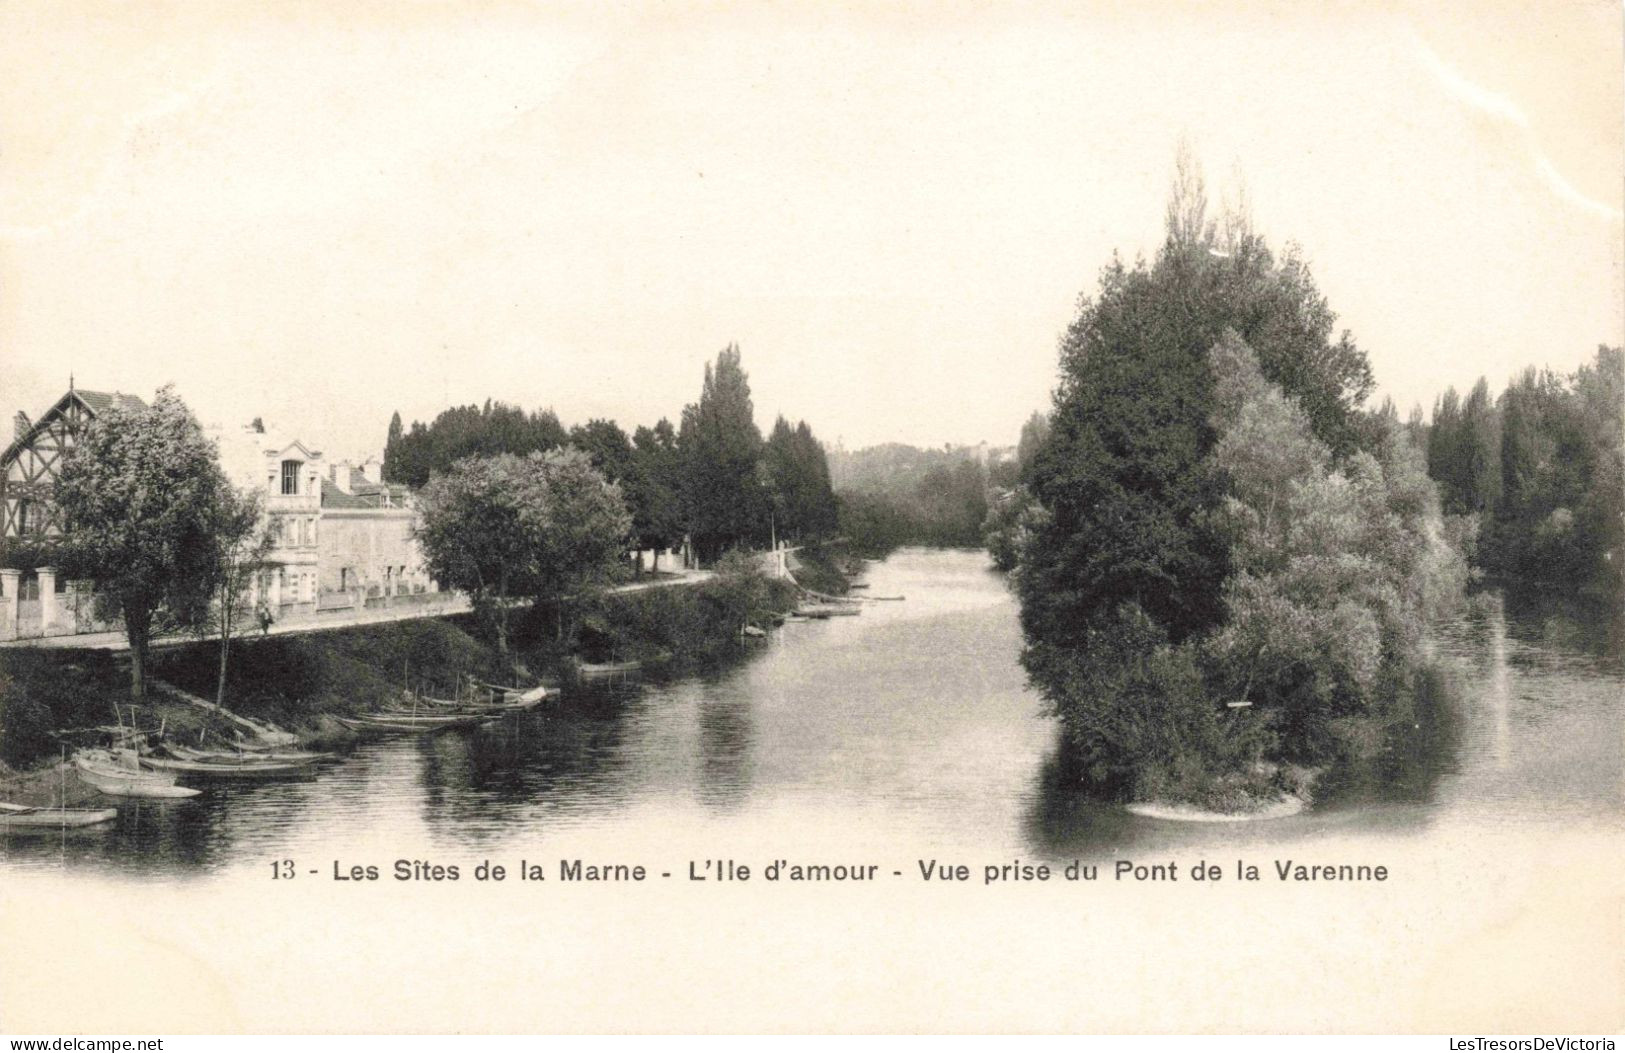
<point x="373" y="469"/>
<point x="339" y="475"/>
<point x="20" y="425"/>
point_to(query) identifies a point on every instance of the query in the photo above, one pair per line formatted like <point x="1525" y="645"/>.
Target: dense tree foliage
<point x="1219" y="555"/>
<point x="479" y="527"/>
<point x="715" y="480"/>
<point x="895" y="494"/>
<point x="724" y="503"/>
<point x="795" y="477"/>
<point x="466" y="431"/>
<point x="1540" y="471"/>
<point x="1464" y="451"/>
<point x="141" y="495"/>
<point x="653" y="489"/>
<point x="547" y="526"/>
<point x="583" y="529"/>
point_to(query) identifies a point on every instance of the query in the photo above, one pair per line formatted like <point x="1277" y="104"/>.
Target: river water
<point x="900" y="738"/>
<point x="905" y="732"/>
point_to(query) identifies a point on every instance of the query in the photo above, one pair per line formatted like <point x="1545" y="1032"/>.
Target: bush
<point x="42" y="691"/>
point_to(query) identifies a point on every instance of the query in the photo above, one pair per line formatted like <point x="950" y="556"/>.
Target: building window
<point x="24" y="507"/>
<point x="290" y="476"/>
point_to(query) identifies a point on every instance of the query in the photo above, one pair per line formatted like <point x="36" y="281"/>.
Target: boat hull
<point x="11" y="818"/>
<point x="109" y="778"/>
<point x="214" y="770"/>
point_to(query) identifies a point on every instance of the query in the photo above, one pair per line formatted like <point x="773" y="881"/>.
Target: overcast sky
<point x="323" y="216"/>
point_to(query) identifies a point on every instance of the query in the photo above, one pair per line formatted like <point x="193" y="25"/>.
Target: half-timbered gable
<point x="31" y="465"/>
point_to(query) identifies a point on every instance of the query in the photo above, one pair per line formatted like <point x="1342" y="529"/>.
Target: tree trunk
<point x="136" y="626"/>
<point x="655" y="568"/>
<point x="138" y="668"/>
<point x="502" y="617"/>
<point x="220" y="687"/>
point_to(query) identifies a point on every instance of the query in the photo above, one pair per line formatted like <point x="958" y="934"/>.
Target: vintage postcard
<point x="768" y="517"/>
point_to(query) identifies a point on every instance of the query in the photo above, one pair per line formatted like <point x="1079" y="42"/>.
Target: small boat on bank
<point x="591" y="669"/>
<point x="391" y="722"/>
<point x="181" y="752"/>
<point x="229" y="769"/>
<point x="120" y="774"/>
<point x="27" y="817"/>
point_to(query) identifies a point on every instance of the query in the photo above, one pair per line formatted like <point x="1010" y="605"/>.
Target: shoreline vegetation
<point x="303" y="683"/>
<point x="534" y="524"/>
<point x="1226" y="566"/>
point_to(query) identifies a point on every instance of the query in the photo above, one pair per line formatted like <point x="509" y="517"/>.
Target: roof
<point x="366" y="495"/>
<point x="101" y="401"/>
<point x="333" y="497"/>
<point x="97" y="402"/>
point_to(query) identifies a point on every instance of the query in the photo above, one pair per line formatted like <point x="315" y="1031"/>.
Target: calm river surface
<point x="906" y="732"/>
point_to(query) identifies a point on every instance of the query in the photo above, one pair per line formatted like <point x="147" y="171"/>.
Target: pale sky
<point x="325" y="214"/>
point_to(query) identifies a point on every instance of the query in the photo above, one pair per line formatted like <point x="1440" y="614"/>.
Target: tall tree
<point x="1034" y="433"/>
<point x="480" y="526"/>
<point x="392" y="448"/>
<point x="582" y="529"/>
<point x="1126" y="475"/>
<point x="606" y="445"/>
<point x="652" y="489"/>
<point x="722" y="499"/>
<point x="468" y="431"/>
<point x="795" y="478"/>
<point x="241" y="539"/>
<point x="140" y="495"/>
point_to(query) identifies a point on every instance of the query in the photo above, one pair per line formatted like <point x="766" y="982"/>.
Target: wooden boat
<point x="829" y="610"/>
<point x="181" y="752"/>
<point x="233" y="769"/>
<point x="449" y="718"/>
<point x="266" y="745"/>
<point x="520" y="694"/>
<point x="525" y="699"/>
<point x="25" y="817"/>
<point x="388" y="723"/>
<point x="589" y="669"/>
<point x="120" y="774"/>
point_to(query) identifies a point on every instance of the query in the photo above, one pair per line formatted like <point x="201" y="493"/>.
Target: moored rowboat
<point x="390" y="722"/>
<point x="181" y="752"/>
<point x="25" y="817"/>
<point x="121" y="775"/>
<point x="608" y="668"/>
<point x="226" y="769"/>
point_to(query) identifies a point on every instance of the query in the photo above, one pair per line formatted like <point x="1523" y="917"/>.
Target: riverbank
<point x="304" y="682"/>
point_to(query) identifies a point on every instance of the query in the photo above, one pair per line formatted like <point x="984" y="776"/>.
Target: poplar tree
<point x="723" y="502"/>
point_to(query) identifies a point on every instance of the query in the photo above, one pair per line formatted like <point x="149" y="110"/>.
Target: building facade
<point x="368" y="550"/>
<point x="341" y="538"/>
<point x="31" y="465"/>
<point x="287" y="474"/>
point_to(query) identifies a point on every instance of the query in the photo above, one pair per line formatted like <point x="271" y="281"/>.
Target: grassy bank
<point x="302" y="682"/>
